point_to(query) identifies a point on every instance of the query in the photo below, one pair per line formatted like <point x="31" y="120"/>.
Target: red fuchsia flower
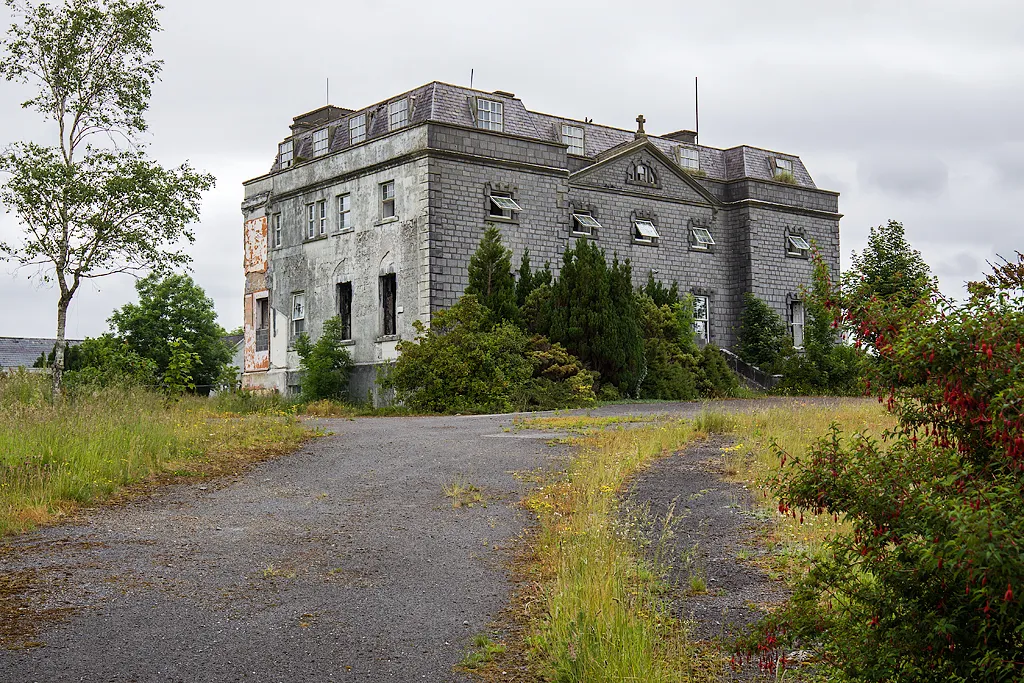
<point x="1009" y="593"/>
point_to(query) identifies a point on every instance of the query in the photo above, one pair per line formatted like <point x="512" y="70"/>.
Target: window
<point x="345" y="309"/>
<point x="689" y="159"/>
<point x="643" y="173"/>
<point x="262" y="325"/>
<point x="573" y="136"/>
<point x="344" y="213"/>
<point x="320" y="140"/>
<point x="321" y="210"/>
<point x="286" y="153"/>
<point x="644" y="231"/>
<point x="796" y="317"/>
<point x="702" y="238"/>
<point x="276" y="222"/>
<point x="310" y="221"/>
<point x="701" y="318"/>
<point x="387" y="304"/>
<point x="783" y="166"/>
<point x="357" y="129"/>
<point x="489" y="115"/>
<point x="584" y="224"/>
<point x="797" y="246"/>
<point x="298" y="314"/>
<point x="387" y="199"/>
<point x="398" y="114"/>
<point x="502" y="205"/>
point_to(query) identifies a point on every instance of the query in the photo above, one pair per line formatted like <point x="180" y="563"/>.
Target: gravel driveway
<point x="343" y="561"/>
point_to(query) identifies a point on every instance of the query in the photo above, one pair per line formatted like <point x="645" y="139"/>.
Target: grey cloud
<point x="905" y="174"/>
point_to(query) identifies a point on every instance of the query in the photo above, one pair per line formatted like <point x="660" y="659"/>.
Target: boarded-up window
<point x="345" y="308"/>
<point x="387" y="304"/>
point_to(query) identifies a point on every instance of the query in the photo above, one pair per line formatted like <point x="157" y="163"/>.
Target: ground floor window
<point x="298" y="314"/>
<point x="345" y="308"/>
<point x="701" y="318"/>
<point x="796" y="317"/>
<point x="387" y="304"/>
<point x="262" y="324"/>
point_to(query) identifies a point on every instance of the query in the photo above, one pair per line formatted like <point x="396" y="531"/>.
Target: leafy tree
<point x="107" y="361"/>
<point x="889" y="268"/>
<point x="178" y="376"/>
<point x="490" y="277"/>
<point x="325" y="364"/>
<point x="169" y="308"/>
<point x="90" y="210"/>
<point x="592" y="311"/>
<point x="659" y="293"/>
<point x="763" y="338"/>
<point x="927" y="583"/>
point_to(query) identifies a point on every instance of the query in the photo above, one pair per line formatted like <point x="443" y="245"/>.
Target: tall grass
<point x="55" y="456"/>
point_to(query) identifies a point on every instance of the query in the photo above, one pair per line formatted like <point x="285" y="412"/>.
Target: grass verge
<point x="56" y="457"/>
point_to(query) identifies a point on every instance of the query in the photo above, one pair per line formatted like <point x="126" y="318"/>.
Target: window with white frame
<point x="298" y="313"/>
<point x="783" y="166"/>
<point x="344" y="212"/>
<point x="797" y="246"/>
<point x="276" y="222"/>
<point x="702" y="239"/>
<point x="310" y="221"/>
<point x="286" y="153"/>
<point x="490" y="115"/>
<point x="584" y="224"/>
<point x="387" y="199"/>
<point x="357" y="129"/>
<point x="644" y="173"/>
<point x="796" y="317"/>
<point x="398" y="113"/>
<point x="701" y="318"/>
<point x="321" y="212"/>
<point x="689" y="159"/>
<point x="644" y="231"/>
<point x="320" y="139"/>
<point x="573" y="137"/>
<point x="501" y="205"/>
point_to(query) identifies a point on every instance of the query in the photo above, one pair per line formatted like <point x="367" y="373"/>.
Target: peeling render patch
<point x="255" y="360"/>
<point x="256" y="245"/>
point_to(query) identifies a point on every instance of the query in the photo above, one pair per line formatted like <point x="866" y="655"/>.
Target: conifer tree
<point x="530" y="280"/>
<point x="490" y="277"/>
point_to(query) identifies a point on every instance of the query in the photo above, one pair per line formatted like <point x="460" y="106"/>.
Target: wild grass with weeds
<point x="484" y="651"/>
<point x="57" y="456"/>
<point x="463" y="493"/>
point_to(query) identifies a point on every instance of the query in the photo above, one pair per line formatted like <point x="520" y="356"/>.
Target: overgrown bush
<point x="463" y="363"/>
<point x="763" y="340"/>
<point x="670" y="349"/>
<point x="927" y="583"/>
<point x="716" y="379"/>
<point x="325" y="364"/>
<point x="107" y="362"/>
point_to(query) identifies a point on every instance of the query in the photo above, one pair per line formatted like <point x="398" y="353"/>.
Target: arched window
<point x="643" y="173"/>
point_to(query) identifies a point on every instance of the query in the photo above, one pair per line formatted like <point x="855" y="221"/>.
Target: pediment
<point x="642" y="168"/>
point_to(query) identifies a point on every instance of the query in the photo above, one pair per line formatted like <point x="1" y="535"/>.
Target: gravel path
<point x="343" y="561"/>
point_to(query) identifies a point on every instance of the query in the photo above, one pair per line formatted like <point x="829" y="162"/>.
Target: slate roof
<point x="16" y="352"/>
<point x="446" y="103"/>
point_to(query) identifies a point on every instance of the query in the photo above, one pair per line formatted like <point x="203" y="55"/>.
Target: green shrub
<point x="107" y="362"/>
<point x="670" y="349"/>
<point x="248" y="401"/>
<point x="717" y="380"/>
<point x="325" y="364"/>
<point x="763" y="339"/>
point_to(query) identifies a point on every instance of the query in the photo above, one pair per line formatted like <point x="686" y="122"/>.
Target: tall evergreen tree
<point x="530" y="280"/>
<point x="490" y="277"/>
<point x="659" y="293"/>
<point x="592" y="312"/>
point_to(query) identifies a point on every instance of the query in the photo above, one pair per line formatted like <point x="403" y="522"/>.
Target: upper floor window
<point x="398" y="113"/>
<point x="344" y="212"/>
<point x="321" y="212"/>
<point x="490" y="115"/>
<point x="310" y="221"/>
<point x="387" y="199"/>
<point x="502" y="205"/>
<point x="644" y="231"/>
<point x="797" y="246"/>
<point x="298" y="313"/>
<point x="573" y="137"/>
<point x="276" y="222"/>
<point x="689" y="159"/>
<point x="320" y="139"/>
<point x="584" y="224"/>
<point x="783" y="166"/>
<point x="643" y="173"/>
<point x="702" y="239"/>
<point x="701" y="318"/>
<point x="357" y="129"/>
<point x="286" y="153"/>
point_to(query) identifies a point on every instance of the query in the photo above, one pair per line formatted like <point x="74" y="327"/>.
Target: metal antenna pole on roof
<point x="328" y="90"/>
<point x="696" y="111"/>
<point x="471" y="79"/>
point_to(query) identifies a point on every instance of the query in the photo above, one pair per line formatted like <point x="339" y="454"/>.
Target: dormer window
<point x="490" y="115"/>
<point x="797" y="246"/>
<point x="689" y="159"/>
<point x="357" y="129"/>
<point x="782" y="167"/>
<point x="584" y="224"/>
<point x="573" y="137"/>
<point x="398" y="113"/>
<point x="502" y="205"/>
<point x="702" y="239"/>
<point x="320" y="141"/>
<point x="286" y="153"/>
<point x="645" y="232"/>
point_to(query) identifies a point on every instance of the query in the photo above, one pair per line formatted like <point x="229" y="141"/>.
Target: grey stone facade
<point x="445" y="168"/>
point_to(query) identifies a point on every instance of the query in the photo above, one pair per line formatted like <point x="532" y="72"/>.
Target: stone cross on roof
<point x="640" y="120"/>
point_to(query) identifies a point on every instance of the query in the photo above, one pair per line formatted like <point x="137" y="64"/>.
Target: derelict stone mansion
<point x="372" y="214"/>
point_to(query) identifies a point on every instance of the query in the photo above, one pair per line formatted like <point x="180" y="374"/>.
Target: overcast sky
<point x="912" y="110"/>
